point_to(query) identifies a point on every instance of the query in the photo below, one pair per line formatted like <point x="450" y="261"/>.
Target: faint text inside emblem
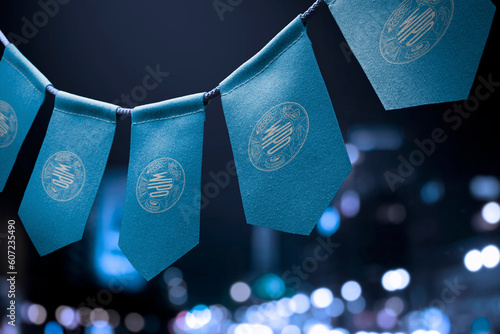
<point x="278" y="136"/>
<point x="160" y="185"/>
<point x="8" y="124"/>
<point x="414" y="28"/>
<point x="63" y="176"/>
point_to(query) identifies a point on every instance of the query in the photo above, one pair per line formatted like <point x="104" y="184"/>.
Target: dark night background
<point x="101" y="49"/>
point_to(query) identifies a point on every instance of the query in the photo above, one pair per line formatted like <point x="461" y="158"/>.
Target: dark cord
<point x="211" y="94"/>
<point x="311" y="11"/>
<point x="208" y="96"/>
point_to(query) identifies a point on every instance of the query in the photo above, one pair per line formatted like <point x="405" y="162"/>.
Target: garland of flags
<point x="286" y="141"/>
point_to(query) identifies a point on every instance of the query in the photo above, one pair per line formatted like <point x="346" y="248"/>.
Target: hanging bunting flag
<point x="22" y="92"/>
<point x="289" y="153"/>
<point x="68" y="171"/>
<point x="416" y="52"/>
<point x="161" y="215"/>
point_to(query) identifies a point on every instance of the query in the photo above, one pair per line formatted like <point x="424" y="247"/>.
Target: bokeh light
<point x="171" y="273"/>
<point x="336" y="308"/>
<point x="485" y="188"/>
<point x="351" y="291"/>
<point x="67" y="317"/>
<point x="433" y="319"/>
<point x="134" y="322"/>
<point x="99" y="317"/>
<point x="396" y="304"/>
<point x="491" y="213"/>
<point x="473" y="260"/>
<point x="329" y="222"/>
<point x="350" y="203"/>
<point x="269" y="286"/>
<point x="177" y="287"/>
<point x="106" y="329"/>
<point x="353" y="153"/>
<point x="114" y="318"/>
<point x="53" y="327"/>
<point x="301" y="303"/>
<point x="356" y="306"/>
<point x="432" y="192"/>
<point x="480" y="326"/>
<point x="490" y="256"/>
<point x="395" y="280"/>
<point x="339" y="331"/>
<point x="180" y="321"/>
<point x="290" y="329"/>
<point x="177" y="295"/>
<point x="387" y="318"/>
<point x="198" y="317"/>
<point x="285" y="307"/>
<point x="318" y="329"/>
<point x="37" y="314"/>
<point x="219" y="313"/>
<point x="376" y="137"/>
<point x="240" y="292"/>
<point x="252" y="328"/>
<point x="321" y="297"/>
<point x="84" y="316"/>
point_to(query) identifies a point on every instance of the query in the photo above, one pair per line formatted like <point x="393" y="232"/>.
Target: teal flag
<point x="161" y="214"/>
<point x="289" y="153"/>
<point x="416" y="52"/>
<point x="22" y="92"/>
<point x="68" y="171"/>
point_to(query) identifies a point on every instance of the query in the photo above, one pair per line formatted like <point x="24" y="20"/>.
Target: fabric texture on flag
<point x="68" y="171"/>
<point x="22" y="92"/>
<point x="161" y="215"/>
<point x="416" y="52"/>
<point x="289" y="153"/>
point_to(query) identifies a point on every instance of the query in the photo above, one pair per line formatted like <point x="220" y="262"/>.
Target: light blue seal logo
<point x="414" y="28"/>
<point x="160" y="185"/>
<point x="63" y="176"/>
<point x="8" y="124"/>
<point x="278" y="136"/>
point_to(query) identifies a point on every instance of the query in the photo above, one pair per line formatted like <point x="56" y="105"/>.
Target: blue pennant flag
<point x="416" y="52"/>
<point x="68" y="171"/>
<point x="289" y="153"/>
<point x="22" y="92"/>
<point x="161" y="214"/>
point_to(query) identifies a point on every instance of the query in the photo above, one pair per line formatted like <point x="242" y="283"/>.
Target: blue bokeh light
<point x="110" y="263"/>
<point x="485" y="188"/>
<point x="101" y="329"/>
<point x="434" y="319"/>
<point x="329" y="222"/>
<point x="432" y="192"/>
<point x="376" y="137"/>
<point x="480" y="326"/>
<point x="53" y="327"/>
<point x="269" y="286"/>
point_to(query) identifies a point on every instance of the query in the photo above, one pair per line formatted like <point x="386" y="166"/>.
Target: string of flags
<point x="280" y="121"/>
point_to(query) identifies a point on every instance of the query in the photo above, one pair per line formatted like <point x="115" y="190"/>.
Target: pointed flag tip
<point x="150" y="263"/>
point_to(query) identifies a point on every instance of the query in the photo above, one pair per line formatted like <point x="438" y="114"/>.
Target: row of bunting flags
<point x="288" y="149"/>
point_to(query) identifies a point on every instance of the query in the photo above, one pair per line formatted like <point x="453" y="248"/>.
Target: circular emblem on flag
<point x="278" y="136"/>
<point x="160" y="185"/>
<point x="63" y="176"/>
<point x="8" y="124"/>
<point x="414" y="28"/>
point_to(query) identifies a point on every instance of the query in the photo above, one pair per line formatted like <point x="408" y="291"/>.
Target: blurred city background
<point x="420" y="258"/>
